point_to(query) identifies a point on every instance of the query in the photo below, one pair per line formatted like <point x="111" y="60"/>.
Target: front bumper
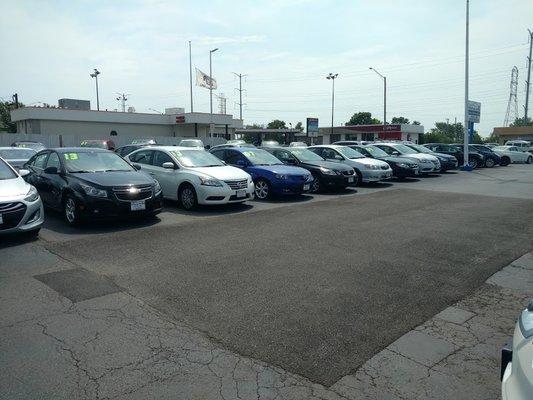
<point x="291" y="186"/>
<point x="19" y="215"/>
<point x="446" y="165"/>
<point x="92" y="207"/>
<point x="427" y="168"/>
<point x="376" y="175"/>
<point x="403" y="172"/>
<point x="224" y="195"/>
<point x="338" y="181"/>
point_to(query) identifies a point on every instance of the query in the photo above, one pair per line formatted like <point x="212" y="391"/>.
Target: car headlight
<point x="371" y="166"/>
<point x="281" y="176"/>
<point x="526" y="320"/>
<point x="32" y="195"/>
<point x="327" y="171"/>
<point x="92" y="191"/>
<point x="210" y="182"/>
<point x="402" y="165"/>
<point x="157" y="187"/>
<point x="413" y="165"/>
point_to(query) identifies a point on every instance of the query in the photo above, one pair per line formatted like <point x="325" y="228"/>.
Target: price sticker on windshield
<point x="71" y="156"/>
<point x="248" y="153"/>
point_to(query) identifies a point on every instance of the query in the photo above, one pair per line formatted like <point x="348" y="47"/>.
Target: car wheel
<point x="529" y="160"/>
<point x="187" y="197"/>
<point x="70" y="210"/>
<point x="359" y="177"/>
<point x="262" y="189"/>
<point x="315" y="187"/>
<point x="505" y="161"/>
<point x="489" y="163"/>
<point x="473" y="163"/>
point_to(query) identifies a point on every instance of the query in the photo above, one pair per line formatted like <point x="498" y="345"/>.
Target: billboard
<point x="312" y="127"/>
<point x="474" y="111"/>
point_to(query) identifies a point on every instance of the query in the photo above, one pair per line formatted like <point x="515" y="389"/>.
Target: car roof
<point x="170" y="148"/>
<point x="76" y="149"/>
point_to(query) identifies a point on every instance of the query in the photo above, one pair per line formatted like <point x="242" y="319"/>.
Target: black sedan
<point x="327" y="174"/>
<point x="402" y="167"/>
<point x="447" y="162"/>
<point x="86" y="183"/>
<point x="475" y="159"/>
<point x="491" y="158"/>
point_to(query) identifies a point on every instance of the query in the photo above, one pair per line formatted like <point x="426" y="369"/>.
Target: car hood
<point x="326" y="164"/>
<point x="12" y="188"/>
<point x="423" y="157"/>
<point x="405" y="160"/>
<point x="445" y="156"/>
<point x="224" y="172"/>
<point x="118" y="178"/>
<point x="367" y="161"/>
<point x="283" y="169"/>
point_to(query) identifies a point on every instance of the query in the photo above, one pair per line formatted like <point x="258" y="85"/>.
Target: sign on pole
<point x="312" y="127"/>
<point x="474" y="111"/>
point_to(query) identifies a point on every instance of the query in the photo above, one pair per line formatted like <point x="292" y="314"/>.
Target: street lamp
<point x="211" y="93"/>
<point x="384" y="95"/>
<point x="332" y="77"/>
<point x="95" y="76"/>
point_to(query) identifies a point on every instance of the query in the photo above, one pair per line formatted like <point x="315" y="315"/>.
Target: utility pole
<point x="332" y="77"/>
<point x="211" y="127"/>
<point x="95" y="76"/>
<point x="526" y="106"/>
<point x="465" y="146"/>
<point x="384" y="95"/>
<point x="240" y="89"/>
<point x="16" y="100"/>
<point x="122" y="98"/>
<point x="190" y="73"/>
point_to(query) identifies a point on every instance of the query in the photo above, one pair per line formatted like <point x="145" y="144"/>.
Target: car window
<point x="329" y="153"/>
<point x="284" y="155"/>
<point x="142" y="157"/>
<point x="318" y="150"/>
<point x="233" y="156"/>
<point x="53" y="161"/>
<point x="39" y="161"/>
<point x="219" y="153"/>
<point x="160" y="158"/>
<point x="386" y="149"/>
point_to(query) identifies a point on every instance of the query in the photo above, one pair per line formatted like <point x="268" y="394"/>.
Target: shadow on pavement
<point x="16" y="239"/>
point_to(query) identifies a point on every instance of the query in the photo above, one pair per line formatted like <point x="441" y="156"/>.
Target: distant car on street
<point x="28" y="144"/>
<point x="16" y="156"/>
<point x="106" y="144"/>
<point x="512" y="154"/>
<point x="193" y="143"/>
<point x="353" y="142"/>
<point x="297" y="144"/>
<point x="144" y="141"/>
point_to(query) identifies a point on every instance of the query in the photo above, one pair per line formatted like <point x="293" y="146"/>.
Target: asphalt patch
<point x="78" y="284"/>
<point x="317" y="288"/>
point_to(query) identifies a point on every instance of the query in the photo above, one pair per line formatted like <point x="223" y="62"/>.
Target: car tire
<point x="529" y="160"/>
<point x="489" y="163"/>
<point x="70" y="210"/>
<point x="473" y="163"/>
<point x="187" y="197"/>
<point x="359" y="179"/>
<point x="263" y="190"/>
<point x="505" y="161"/>
<point x="316" y="186"/>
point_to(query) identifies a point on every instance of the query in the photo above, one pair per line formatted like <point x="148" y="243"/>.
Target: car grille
<point x="348" y="172"/>
<point x="132" y="193"/>
<point x="242" y="184"/>
<point x="12" y="214"/>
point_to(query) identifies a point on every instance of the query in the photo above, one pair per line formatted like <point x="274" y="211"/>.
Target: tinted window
<point x="39" y="161"/>
<point x="142" y="157"/>
<point x="6" y="172"/>
<point x="53" y="161"/>
<point x="329" y="153"/>
<point x="233" y="156"/>
<point x="160" y="158"/>
<point x="386" y="149"/>
<point x="283" y="155"/>
<point x="218" y="153"/>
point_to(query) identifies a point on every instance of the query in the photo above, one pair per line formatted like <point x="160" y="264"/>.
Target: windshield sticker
<point x="248" y="153"/>
<point x="70" y="156"/>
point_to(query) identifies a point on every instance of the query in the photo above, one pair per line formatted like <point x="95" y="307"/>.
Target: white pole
<point x="466" y="90"/>
<point x="190" y="73"/>
<point x="210" y="97"/>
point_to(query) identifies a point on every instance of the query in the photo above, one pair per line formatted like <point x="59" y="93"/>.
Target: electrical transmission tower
<point x="512" y="105"/>
<point x="221" y="103"/>
<point x="240" y="89"/>
<point x="122" y="98"/>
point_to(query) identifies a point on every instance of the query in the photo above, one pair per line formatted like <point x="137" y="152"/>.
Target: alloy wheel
<point x="187" y="198"/>
<point x="529" y="160"/>
<point x="316" y="185"/>
<point x="70" y="210"/>
<point x="473" y="163"/>
<point x="261" y="190"/>
<point x="489" y="163"/>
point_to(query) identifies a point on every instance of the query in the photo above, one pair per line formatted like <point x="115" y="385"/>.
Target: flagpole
<point x="190" y="73"/>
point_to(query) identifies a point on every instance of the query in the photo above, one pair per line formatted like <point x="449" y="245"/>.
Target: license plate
<point x="350" y="179"/>
<point x="241" y="193"/>
<point x="138" y="205"/>
<point x="307" y="187"/>
<point x="1" y="219"/>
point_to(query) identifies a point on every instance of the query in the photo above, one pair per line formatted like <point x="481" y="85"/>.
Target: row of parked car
<point x="93" y="182"/>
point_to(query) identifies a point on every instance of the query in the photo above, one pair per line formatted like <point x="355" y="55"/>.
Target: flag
<point x="204" y="80"/>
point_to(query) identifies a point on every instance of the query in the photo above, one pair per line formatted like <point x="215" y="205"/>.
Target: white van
<point x="523" y="145"/>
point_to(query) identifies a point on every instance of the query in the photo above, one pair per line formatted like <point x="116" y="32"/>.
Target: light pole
<point x="466" y="165"/>
<point x="211" y="93"/>
<point x="384" y="95"/>
<point x="332" y="77"/>
<point x="95" y="76"/>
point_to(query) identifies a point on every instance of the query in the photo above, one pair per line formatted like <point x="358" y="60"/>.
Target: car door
<point x="52" y="184"/>
<point x="167" y="178"/>
<point x="36" y="167"/>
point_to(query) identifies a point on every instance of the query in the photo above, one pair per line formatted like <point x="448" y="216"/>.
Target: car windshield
<point x="420" y="149"/>
<point x="261" y="157"/>
<point x="99" y="144"/>
<point x="305" y="155"/>
<point x="196" y="158"/>
<point x="375" y="151"/>
<point x="94" y="161"/>
<point x="404" y="149"/>
<point x="348" y="152"/>
<point x="6" y="172"/>
<point x="15" y="153"/>
<point x="192" y="143"/>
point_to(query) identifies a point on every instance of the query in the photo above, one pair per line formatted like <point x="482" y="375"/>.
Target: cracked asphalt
<point x="324" y="298"/>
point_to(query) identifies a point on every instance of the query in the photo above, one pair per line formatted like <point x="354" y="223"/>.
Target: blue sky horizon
<point x="285" y="47"/>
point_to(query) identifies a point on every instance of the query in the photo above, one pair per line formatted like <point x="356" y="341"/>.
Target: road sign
<point x="312" y="127"/>
<point x="474" y="111"/>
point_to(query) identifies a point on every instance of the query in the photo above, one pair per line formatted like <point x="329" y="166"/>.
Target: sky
<point x="286" y="48"/>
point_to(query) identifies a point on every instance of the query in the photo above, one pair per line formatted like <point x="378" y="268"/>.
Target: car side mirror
<point x="169" y="165"/>
<point x="23" y="172"/>
<point x="51" y="170"/>
<point x="137" y="167"/>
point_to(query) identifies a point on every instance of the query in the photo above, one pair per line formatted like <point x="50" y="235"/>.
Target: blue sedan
<point x="270" y="175"/>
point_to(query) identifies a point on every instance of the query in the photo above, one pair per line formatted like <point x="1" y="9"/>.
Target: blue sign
<point x="312" y="127"/>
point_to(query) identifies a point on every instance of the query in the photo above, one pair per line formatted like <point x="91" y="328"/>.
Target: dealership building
<point x="406" y="132"/>
<point x="514" y="133"/>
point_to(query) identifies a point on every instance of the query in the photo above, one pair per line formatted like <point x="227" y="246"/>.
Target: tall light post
<point x="384" y="95"/>
<point x="332" y="77"/>
<point x="95" y="76"/>
<point x="211" y="92"/>
<point x="465" y="146"/>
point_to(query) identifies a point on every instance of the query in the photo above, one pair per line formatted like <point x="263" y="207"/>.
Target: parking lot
<point x="313" y="286"/>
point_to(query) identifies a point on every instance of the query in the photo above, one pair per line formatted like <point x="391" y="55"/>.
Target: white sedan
<point x="193" y="176"/>
<point x="512" y="154"/>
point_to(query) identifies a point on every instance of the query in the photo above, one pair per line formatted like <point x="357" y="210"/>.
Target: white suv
<point x="193" y="176"/>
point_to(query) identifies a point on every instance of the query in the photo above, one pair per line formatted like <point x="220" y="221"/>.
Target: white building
<point x="405" y="132"/>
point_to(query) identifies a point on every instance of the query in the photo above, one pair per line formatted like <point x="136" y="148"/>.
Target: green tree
<point x="277" y="124"/>
<point x="399" y="120"/>
<point x="520" y="122"/>
<point x="445" y="133"/>
<point x="363" y="118"/>
<point x="299" y="126"/>
<point x="416" y="123"/>
<point x="5" y="117"/>
<point x="476" y="138"/>
<point x="493" y="138"/>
